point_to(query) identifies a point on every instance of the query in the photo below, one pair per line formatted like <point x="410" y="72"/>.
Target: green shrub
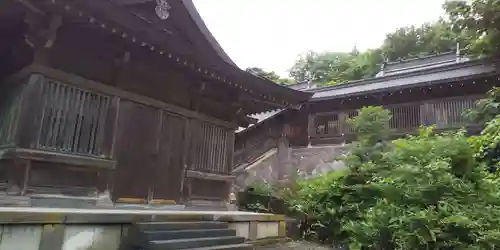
<point x="428" y="191"/>
<point x="487" y="108"/>
<point x="259" y="188"/>
<point x="487" y="145"/>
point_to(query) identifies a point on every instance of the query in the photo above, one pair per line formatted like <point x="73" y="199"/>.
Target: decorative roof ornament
<point x="162" y="9"/>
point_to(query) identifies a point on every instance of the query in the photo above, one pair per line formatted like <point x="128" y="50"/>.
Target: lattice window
<point x="450" y="113"/>
<point x="209" y="147"/>
<point x="327" y="124"/>
<point x="73" y="119"/>
<point x="405" y="117"/>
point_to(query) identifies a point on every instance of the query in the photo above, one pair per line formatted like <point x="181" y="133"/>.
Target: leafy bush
<point x="258" y="188"/>
<point x="420" y="192"/>
<point x="487" y="145"/>
<point x="486" y="108"/>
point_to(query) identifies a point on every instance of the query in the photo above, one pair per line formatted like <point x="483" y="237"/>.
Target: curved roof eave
<point x="195" y="15"/>
<point x="299" y="96"/>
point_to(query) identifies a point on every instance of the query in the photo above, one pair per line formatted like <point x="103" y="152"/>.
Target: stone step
<point x="195" y="243"/>
<point x="173" y="226"/>
<point x="188" y="234"/>
<point x="226" y="247"/>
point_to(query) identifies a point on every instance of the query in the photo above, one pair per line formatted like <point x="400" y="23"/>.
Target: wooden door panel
<point x="169" y="163"/>
<point x="136" y="146"/>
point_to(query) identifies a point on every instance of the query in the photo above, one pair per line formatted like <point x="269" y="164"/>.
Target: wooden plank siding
<point x="406" y="117"/>
<point x="151" y="147"/>
<point x="10" y="106"/>
<point x="136" y="149"/>
<point x="169" y="166"/>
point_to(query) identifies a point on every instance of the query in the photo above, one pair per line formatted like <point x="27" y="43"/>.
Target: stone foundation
<point x="104" y="229"/>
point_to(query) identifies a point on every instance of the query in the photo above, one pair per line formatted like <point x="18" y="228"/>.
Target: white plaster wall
<point x="75" y="237"/>
<point x="20" y="237"/>
<point x="267" y="229"/>
<point x="242" y="229"/>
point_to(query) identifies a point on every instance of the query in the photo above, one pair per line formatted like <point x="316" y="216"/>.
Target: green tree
<point x="429" y="38"/>
<point x="328" y="68"/>
<point x="479" y="20"/>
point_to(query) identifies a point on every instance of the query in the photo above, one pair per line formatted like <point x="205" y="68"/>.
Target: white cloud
<point x="272" y="33"/>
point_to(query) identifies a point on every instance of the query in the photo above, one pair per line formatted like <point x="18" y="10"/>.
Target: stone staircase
<point x="199" y="235"/>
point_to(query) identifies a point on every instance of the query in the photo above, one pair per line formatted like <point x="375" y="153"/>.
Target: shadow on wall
<point x="304" y="162"/>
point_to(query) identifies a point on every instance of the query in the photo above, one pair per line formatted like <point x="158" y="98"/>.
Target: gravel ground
<point x="302" y="245"/>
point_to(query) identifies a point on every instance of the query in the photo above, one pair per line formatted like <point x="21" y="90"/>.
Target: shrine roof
<point x="182" y="38"/>
<point x="261" y="118"/>
<point x="427" y="76"/>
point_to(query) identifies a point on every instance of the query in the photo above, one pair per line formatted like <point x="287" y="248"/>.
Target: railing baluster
<point x="52" y="114"/>
<point x="103" y="113"/>
<point x="93" y="126"/>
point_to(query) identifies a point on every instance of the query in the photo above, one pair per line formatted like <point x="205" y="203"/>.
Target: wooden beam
<point x="131" y="2"/>
<point x="209" y="176"/>
<point x="54" y="157"/>
<point x="250" y="101"/>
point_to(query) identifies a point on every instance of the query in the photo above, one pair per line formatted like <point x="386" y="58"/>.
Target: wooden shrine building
<point x="431" y="90"/>
<point x="129" y="97"/>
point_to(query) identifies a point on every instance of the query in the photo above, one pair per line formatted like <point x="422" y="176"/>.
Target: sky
<point x="271" y="34"/>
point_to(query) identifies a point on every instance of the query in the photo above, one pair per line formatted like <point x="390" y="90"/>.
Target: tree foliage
<point x="330" y="68"/>
<point x="474" y="25"/>
<point x="486" y="108"/>
<point x="429" y="38"/>
<point x="479" y="20"/>
<point x="487" y="145"/>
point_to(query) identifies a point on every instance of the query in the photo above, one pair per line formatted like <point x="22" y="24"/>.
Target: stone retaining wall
<point x="302" y="163"/>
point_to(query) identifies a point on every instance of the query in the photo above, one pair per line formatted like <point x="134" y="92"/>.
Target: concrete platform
<point x="30" y="228"/>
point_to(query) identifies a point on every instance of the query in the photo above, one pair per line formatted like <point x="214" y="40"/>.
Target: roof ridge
<point x="411" y="59"/>
<point x="402" y="75"/>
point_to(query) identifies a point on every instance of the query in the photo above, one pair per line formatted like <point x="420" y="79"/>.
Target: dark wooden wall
<point x="97" y="106"/>
<point x="106" y="58"/>
<point x="150" y="151"/>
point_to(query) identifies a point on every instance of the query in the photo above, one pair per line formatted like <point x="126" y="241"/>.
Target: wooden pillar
<point x="311" y="127"/>
<point x="284" y="156"/>
<point x="229" y="151"/>
<point x="186" y="154"/>
<point x="106" y="177"/>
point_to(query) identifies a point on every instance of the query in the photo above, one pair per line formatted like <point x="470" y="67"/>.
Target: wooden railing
<point x="253" y="151"/>
<point x="72" y="119"/>
<point x="250" y="146"/>
<point x="406" y="118"/>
